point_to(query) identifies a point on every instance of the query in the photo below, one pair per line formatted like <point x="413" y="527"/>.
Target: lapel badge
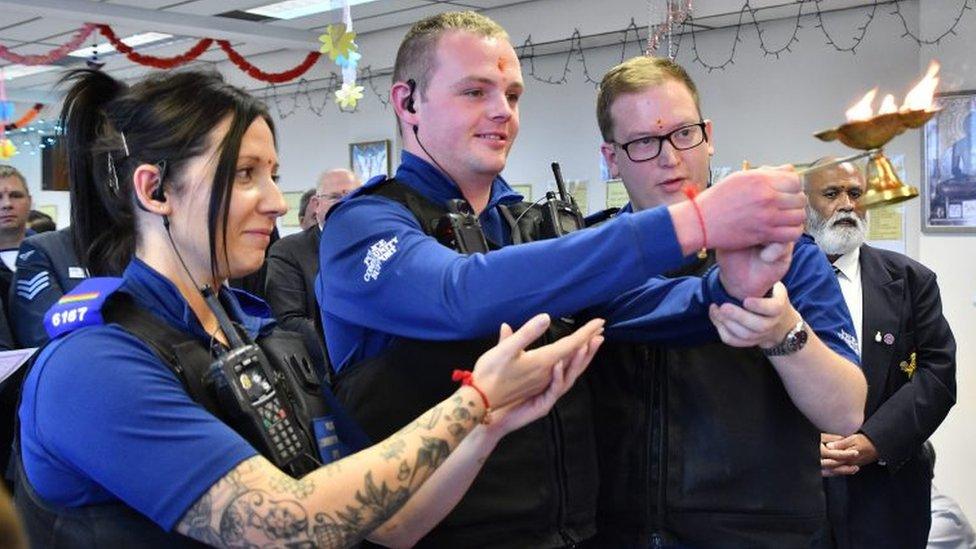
<point x="877" y="337"/>
<point x="908" y="367"/>
<point x="889" y="339"/>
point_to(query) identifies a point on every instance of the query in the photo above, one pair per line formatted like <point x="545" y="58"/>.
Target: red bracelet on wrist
<point x="464" y="376"/>
<point x="691" y="193"/>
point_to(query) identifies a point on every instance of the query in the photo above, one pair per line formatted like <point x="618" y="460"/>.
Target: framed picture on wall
<point x="290" y="219"/>
<point x="524" y="190"/>
<point x="949" y="165"/>
<point x="369" y="159"/>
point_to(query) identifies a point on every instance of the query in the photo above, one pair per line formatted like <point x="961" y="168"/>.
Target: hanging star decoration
<point x="349" y="61"/>
<point x="337" y="42"/>
<point x="7" y="149"/>
<point x="348" y="95"/>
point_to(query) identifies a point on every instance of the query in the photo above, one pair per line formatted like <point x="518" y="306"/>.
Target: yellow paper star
<point x="7" y="149"/>
<point x="336" y="41"/>
<point x="348" y="95"/>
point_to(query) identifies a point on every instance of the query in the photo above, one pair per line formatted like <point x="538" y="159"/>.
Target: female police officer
<point x="173" y="180"/>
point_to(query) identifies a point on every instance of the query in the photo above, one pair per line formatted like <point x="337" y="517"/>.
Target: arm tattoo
<point x="279" y="513"/>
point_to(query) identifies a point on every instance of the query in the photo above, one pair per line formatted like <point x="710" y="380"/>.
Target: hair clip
<point x="125" y="146"/>
<point x="113" y="176"/>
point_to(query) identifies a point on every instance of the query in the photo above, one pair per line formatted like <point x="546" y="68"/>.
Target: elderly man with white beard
<point x="878" y="480"/>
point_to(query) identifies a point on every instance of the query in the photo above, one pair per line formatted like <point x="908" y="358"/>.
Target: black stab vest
<point x="116" y="524"/>
<point x="538" y="488"/>
<point x="701" y="446"/>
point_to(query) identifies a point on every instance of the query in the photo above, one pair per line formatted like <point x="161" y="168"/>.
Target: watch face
<point x="793" y="342"/>
<point x="798" y="340"/>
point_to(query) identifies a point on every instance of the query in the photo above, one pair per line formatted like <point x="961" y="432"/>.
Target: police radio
<point x="460" y="229"/>
<point x="251" y="396"/>
<point x="560" y="215"/>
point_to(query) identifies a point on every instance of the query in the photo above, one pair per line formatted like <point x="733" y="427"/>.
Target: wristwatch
<point x="794" y="341"/>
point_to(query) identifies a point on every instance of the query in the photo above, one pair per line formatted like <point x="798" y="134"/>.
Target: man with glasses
<point x="293" y="263"/>
<point x="713" y="445"/>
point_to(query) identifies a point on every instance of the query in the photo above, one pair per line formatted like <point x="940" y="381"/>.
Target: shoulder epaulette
<point x="81" y="307"/>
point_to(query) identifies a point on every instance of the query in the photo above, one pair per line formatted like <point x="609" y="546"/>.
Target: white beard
<point x="836" y="239"/>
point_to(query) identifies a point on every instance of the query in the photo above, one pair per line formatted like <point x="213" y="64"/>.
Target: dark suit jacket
<point x="293" y="263"/>
<point x="887" y="504"/>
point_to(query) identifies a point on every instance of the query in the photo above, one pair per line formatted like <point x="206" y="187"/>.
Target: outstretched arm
<point x="337" y="505"/>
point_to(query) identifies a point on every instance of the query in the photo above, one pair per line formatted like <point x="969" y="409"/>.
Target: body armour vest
<point x="538" y="488"/>
<point x="701" y="447"/>
<point x="116" y="524"/>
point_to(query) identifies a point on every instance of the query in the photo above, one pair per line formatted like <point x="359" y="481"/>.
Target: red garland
<point x="272" y="77"/>
<point x="152" y="61"/>
<point x="28" y="117"/>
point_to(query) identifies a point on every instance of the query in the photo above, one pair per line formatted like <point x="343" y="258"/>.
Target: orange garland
<point x="28" y="117"/>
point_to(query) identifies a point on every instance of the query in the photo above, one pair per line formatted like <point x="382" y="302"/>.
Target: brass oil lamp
<point x="870" y="132"/>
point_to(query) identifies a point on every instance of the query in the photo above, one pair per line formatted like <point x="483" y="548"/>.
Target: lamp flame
<point x="920" y="97"/>
<point x="888" y="105"/>
<point x="862" y="110"/>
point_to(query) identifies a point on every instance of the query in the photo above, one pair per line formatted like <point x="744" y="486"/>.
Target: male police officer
<point x="712" y="445"/>
<point x="400" y="310"/>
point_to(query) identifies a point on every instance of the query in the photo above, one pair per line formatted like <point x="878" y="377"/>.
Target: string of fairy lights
<point x="678" y="21"/>
<point x="809" y="14"/>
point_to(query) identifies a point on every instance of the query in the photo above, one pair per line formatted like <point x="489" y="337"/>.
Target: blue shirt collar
<point x="156" y="293"/>
<point x="433" y="184"/>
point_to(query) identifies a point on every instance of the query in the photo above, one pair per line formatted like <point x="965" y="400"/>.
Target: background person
<point x="15" y="206"/>
<point x="305" y="218"/>
<point x="293" y="263"/>
<point x="879" y="479"/>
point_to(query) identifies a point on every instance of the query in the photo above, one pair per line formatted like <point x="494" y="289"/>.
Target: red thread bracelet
<point x="464" y="376"/>
<point x="691" y="193"/>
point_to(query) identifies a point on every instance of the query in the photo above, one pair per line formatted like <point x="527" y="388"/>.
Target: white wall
<point x="765" y="110"/>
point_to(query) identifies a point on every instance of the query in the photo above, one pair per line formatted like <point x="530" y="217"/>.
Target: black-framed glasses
<point x="647" y="148"/>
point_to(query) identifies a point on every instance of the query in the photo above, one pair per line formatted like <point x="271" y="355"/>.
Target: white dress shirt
<point x="849" y="278"/>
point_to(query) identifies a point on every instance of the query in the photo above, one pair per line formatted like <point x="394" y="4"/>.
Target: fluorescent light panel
<point x="17" y="71"/>
<point x="292" y="9"/>
<point x="135" y="40"/>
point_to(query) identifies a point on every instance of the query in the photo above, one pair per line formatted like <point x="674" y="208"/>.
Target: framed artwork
<point x="524" y="190"/>
<point x="369" y="159"/>
<point x="290" y="219"/>
<point x="50" y="209"/>
<point x="616" y="194"/>
<point x="949" y="165"/>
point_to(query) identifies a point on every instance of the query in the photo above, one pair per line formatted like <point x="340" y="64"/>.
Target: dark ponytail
<point x="103" y="233"/>
<point x="111" y="129"/>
